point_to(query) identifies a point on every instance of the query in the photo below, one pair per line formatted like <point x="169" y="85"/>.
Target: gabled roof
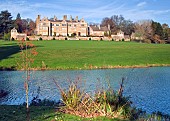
<point x="74" y="21"/>
<point x="14" y="28"/>
<point x="116" y="31"/>
<point x="104" y="28"/>
<point x="96" y="28"/>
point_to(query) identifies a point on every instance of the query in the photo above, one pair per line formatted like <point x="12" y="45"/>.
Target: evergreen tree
<point x="6" y="23"/>
<point x="18" y="16"/>
<point x="18" y="23"/>
<point x="157" y="29"/>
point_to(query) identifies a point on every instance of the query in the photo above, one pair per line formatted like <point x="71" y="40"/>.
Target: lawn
<point x="41" y="113"/>
<point x="88" y="54"/>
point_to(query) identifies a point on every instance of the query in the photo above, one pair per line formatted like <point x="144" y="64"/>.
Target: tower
<point x="38" y="19"/>
<point x="14" y="33"/>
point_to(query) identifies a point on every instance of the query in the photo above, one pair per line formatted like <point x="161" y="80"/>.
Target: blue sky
<point x="90" y="10"/>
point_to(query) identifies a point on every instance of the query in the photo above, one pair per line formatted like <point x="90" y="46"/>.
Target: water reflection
<point x="148" y="87"/>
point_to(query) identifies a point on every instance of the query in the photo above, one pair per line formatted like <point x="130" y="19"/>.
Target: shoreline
<point x="87" y="68"/>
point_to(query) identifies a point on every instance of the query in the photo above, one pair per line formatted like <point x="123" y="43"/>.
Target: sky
<point x="91" y="10"/>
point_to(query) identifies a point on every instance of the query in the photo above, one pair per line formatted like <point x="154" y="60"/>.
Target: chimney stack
<point x="38" y="17"/>
<point x="65" y="17"/>
<point x="77" y="18"/>
<point x="71" y="18"/>
<point x="55" y="18"/>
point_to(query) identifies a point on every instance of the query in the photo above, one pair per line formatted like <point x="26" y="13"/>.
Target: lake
<point x="149" y="88"/>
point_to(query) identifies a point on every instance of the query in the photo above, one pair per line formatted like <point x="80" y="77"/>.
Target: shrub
<point x="27" y="39"/>
<point x="12" y="39"/>
<point x="53" y="38"/>
<point x="43" y="66"/>
<point x="123" y="40"/>
<point x="106" y="34"/>
<point x="89" y="38"/>
<point x="73" y="34"/>
<point x="142" y="40"/>
<point x="65" y="38"/>
<point x="54" y="34"/>
<point x="136" y="40"/>
<point x="146" y="41"/>
<point x="6" y="36"/>
<point x="104" y="102"/>
<point x="113" y="40"/>
<point x="40" y="38"/>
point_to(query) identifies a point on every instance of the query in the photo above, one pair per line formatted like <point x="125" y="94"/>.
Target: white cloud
<point x="161" y="12"/>
<point x="141" y="4"/>
<point x="14" y="7"/>
<point x="90" y="10"/>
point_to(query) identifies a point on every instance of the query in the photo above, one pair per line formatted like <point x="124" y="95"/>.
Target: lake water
<point x="149" y="88"/>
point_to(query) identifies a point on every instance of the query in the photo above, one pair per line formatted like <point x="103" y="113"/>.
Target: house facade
<point x="17" y="36"/>
<point x="119" y="36"/>
<point x="64" y="27"/>
<point x="97" y="30"/>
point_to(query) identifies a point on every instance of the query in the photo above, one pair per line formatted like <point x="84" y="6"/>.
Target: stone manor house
<point x="65" y="27"/>
<point x="48" y="28"/>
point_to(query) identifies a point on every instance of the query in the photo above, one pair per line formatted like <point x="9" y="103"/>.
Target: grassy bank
<point x="18" y="113"/>
<point x="89" y="54"/>
<point x="40" y="113"/>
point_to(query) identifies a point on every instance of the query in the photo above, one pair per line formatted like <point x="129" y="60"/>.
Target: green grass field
<point x="41" y="113"/>
<point x="88" y="54"/>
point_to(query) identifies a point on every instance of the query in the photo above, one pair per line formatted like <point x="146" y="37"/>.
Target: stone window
<point x="45" y="33"/>
<point x="64" y="25"/>
<point x="45" y="28"/>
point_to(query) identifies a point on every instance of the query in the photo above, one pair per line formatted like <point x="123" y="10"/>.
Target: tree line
<point x="146" y="30"/>
<point x="7" y="23"/>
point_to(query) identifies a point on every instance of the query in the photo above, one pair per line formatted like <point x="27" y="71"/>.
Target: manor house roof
<point x="97" y="28"/>
<point x="73" y="21"/>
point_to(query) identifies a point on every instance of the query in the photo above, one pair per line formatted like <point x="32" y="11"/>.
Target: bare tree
<point x="108" y="21"/>
<point x="143" y="29"/>
<point x="118" y="22"/>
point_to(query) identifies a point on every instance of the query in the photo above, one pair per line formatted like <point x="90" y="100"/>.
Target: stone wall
<point x="71" y="38"/>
